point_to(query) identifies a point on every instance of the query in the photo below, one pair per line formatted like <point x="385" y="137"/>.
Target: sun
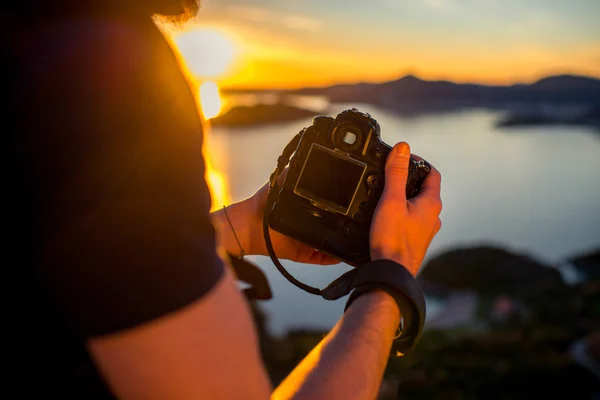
<point x="208" y="52"/>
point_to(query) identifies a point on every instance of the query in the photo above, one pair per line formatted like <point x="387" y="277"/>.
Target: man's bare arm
<point x="207" y="350"/>
<point x="349" y="362"/>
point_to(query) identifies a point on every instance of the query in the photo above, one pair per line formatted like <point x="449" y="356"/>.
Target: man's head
<point x="169" y="10"/>
<point x="173" y="10"/>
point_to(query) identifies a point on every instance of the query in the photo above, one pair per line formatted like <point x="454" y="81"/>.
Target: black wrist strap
<point x="394" y="279"/>
<point x="247" y="272"/>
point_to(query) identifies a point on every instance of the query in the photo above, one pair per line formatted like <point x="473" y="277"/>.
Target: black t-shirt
<point x="106" y="201"/>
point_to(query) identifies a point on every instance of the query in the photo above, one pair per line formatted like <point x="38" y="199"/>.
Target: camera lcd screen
<point x="330" y="178"/>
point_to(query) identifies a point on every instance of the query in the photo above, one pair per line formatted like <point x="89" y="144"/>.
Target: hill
<point x="489" y="271"/>
<point x="412" y="94"/>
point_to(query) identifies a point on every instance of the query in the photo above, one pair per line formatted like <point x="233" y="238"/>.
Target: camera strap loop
<point x="272" y="255"/>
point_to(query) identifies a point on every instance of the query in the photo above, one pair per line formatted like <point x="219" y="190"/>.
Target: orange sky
<point x="298" y="46"/>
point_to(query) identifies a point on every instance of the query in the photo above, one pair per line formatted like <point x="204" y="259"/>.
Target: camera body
<point x="333" y="184"/>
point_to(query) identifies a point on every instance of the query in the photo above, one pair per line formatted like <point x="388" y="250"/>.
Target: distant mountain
<point x="561" y="99"/>
<point x="567" y="83"/>
<point x="412" y="94"/>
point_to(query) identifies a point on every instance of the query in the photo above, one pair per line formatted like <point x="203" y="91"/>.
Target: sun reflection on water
<point x="218" y="184"/>
<point x="210" y="100"/>
<point x="210" y="107"/>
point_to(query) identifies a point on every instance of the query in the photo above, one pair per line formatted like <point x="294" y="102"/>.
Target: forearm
<point x="349" y="362"/>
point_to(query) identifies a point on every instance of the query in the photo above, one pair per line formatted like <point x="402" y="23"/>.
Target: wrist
<point x="379" y="302"/>
<point x="234" y="228"/>
<point x="387" y="275"/>
<point x="397" y="257"/>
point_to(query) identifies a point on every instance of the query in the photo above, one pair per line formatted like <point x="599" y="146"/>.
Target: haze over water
<point x="533" y="190"/>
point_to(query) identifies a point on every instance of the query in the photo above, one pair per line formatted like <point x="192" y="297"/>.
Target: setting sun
<point x="208" y="52"/>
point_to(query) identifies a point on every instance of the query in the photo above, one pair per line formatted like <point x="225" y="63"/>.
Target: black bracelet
<point x="234" y="234"/>
<point x="408" y="333"/>
<point x="396" y="280"/>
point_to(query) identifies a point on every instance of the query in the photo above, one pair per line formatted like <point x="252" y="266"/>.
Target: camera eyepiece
<point x="348" y="137"/>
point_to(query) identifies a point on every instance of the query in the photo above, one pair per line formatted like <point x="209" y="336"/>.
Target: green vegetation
<point x="513" y="358"/>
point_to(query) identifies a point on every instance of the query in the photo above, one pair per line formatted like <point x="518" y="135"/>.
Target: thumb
<point x="396" y="172"/>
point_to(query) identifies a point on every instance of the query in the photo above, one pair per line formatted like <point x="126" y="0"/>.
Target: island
<point x="261" y="114"/>
<point x="584" y="117"/>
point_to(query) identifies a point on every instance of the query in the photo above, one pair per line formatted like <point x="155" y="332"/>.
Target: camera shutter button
<point x="373" y="181"/>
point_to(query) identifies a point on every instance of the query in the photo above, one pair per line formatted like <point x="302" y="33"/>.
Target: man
<point x="123" y="292"/>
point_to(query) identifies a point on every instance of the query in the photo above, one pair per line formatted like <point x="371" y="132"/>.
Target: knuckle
<point x="435" y="176"/>
<point x="439" y="206"/>
<point x="435" y="205"/>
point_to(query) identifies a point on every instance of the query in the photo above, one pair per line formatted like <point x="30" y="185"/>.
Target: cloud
<point x="249" y="13"/>
<point x="432" y="4"/>
<point x="302" y="23"/>
<point x="440" y="4"/>
<point x="274" y="18"/>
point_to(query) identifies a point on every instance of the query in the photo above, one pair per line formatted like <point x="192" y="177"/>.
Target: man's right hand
<point x="402" y="229"/>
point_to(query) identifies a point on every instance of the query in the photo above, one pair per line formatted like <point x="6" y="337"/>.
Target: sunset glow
<point x="295" y="44"/>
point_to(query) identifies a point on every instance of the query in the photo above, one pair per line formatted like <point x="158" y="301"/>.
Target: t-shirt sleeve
<point x="114" y="150"/>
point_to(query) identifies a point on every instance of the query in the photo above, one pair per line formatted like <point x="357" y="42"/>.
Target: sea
<point x="532" y="190"/>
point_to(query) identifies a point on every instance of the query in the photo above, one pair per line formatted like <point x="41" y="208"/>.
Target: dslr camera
<point x="333" y="184"/>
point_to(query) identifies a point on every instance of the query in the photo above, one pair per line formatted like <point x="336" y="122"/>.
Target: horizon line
<point x="407" y="75"/>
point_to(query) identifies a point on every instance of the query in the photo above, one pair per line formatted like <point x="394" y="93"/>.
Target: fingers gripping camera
<point x="334" y="183"/>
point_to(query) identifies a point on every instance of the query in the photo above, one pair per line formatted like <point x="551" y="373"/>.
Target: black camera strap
<point x="282" y="162"/>
<point x="382" y="274"/>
